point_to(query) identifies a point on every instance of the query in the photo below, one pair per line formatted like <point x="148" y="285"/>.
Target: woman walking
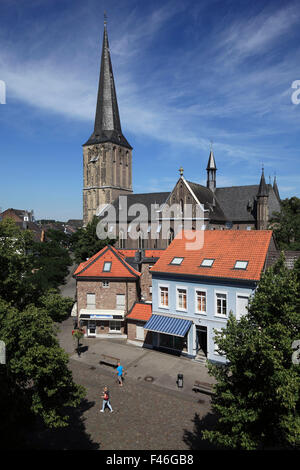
<point x="105" y="402"/>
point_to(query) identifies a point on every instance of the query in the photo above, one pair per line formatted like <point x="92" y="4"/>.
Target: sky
<point x="187" y="73"/>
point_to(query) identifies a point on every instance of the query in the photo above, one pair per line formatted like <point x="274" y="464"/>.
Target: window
<point x="164" y="297"/>
<point x="107" y="267"/>
<point x="105" y="284"/>
<point x="176" y="261"/>
<point x="241" y="265"/>
<point x="141" y="241"/>
<point x="122" y="239"/>
<point x="120" y="300"/>
<point x="171" y="236"/>
<point x="90" y="301"/>
<point x="181" y="299"/>
<point x="114" y="326"/>
<point x="242" y="302"/>
<point x="221" y="304"/>
<point x="207" y="263"/>
<point x="201" y="301"/>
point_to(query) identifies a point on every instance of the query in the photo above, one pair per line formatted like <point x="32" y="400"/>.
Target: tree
<point x="56" y="306"/>
<point x="16" y="264"/>
<point x="286" y="224"/>
<point x="257" y="392"/>
<point x="36" y="380"/>
<point x="85" y="243"/>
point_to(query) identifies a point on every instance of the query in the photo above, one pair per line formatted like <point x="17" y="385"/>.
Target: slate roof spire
<point x="275" y="188"/>
<point x="263" y="189"/>
<point x="107" y="126"/>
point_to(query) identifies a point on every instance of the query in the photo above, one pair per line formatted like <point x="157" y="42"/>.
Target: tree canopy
<point x="286" y="224"/>
<point x="257" y="392"/>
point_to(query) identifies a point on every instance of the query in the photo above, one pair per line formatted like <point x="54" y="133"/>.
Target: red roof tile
<point x="93" y="267"/>
<point x="224" y="246"/>
<point x="140" y="311"/>
<point x="153" y="253"/>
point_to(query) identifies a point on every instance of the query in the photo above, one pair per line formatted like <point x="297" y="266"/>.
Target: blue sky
<point x="186" y="72"/>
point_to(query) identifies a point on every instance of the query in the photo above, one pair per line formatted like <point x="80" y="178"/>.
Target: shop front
<point x="102" y="323"/>
<point x="171" y="334"/>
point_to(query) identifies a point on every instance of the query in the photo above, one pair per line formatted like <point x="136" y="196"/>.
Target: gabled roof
<point x="225" y="247"/>
<point x="140" y="311"/>
<point x="93" y="267"/>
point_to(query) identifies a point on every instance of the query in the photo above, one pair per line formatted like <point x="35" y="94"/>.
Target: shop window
<point x="114" y="326"/>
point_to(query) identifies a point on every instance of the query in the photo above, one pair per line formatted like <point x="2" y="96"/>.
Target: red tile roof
<point x="140" y="311"/>
<point x="93" y="267"/>
<point x="224" y="246"/>
<point x="153" y="253"/>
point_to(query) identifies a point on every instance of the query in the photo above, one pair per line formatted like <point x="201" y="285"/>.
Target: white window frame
<point x="105" y="264"/>
<point x="240" y="294"/>
<point x="199" y="289"/>
<point x="105" y="284"/>
<point x="159" y="296"/>
<point x="202" y="265"/>
<point x="181" y="309"/>
<point x="120" y="306"/>
<point x="240" y="267"/>
<point x="216" y="304"/>
<point x="90" y="306"/>
<point x="174" y="263"/>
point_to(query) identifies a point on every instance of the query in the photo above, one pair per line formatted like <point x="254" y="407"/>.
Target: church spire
<point x="275" y="188"/>
<point x="263" y="189"/>
<point x="107" y="126"/>
<point x="211" y="171"/>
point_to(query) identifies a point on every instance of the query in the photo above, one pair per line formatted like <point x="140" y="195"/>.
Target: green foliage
<point x="286" y="224"/>
<point x="56" y="306"/>
<point x="85" y="243"/>
<point x="257" y="392"/>
<point x="37" y="379"/>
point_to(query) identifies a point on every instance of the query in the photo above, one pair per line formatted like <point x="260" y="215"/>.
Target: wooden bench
<point x="109" y="360"/>
<point x="203" y="387"/>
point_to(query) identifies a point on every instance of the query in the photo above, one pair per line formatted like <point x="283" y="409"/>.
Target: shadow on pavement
<point x="194" y="439"/>
<point x="73" y="437"/>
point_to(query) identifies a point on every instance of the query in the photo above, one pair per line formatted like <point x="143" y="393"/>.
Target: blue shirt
<point x="120" y="370"/>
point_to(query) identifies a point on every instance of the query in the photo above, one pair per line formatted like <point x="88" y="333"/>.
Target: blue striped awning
<point x="168" y="325"/>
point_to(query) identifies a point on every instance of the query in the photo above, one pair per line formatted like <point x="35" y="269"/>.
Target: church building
<point x="107" y="178"/>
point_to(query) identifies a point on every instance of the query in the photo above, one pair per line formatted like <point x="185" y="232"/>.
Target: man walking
<point x="120" y="372"/>
<point x="105" y="402"/>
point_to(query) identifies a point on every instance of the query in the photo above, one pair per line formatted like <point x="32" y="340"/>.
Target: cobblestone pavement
<point x="145" y="416"/>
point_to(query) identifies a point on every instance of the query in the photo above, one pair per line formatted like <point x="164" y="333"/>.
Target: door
<point x="91" y="328"/>
<point x="201" y="339"/>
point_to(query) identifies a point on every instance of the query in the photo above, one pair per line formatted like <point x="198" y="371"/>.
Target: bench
<point x="203" y="387"/>
<point x="109" y="360"/>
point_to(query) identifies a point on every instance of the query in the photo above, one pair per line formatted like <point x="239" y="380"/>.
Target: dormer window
<point x="241" y="264"/>
<point x="177" y="261"/>
<point x="207" y="263"/>
<point x="107" y="267"/>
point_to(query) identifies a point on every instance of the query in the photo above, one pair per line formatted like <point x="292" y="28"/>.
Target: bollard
<point x="180" y="380"/>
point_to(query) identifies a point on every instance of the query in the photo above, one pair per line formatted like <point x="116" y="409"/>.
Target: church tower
<point x="107" y="156"/>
